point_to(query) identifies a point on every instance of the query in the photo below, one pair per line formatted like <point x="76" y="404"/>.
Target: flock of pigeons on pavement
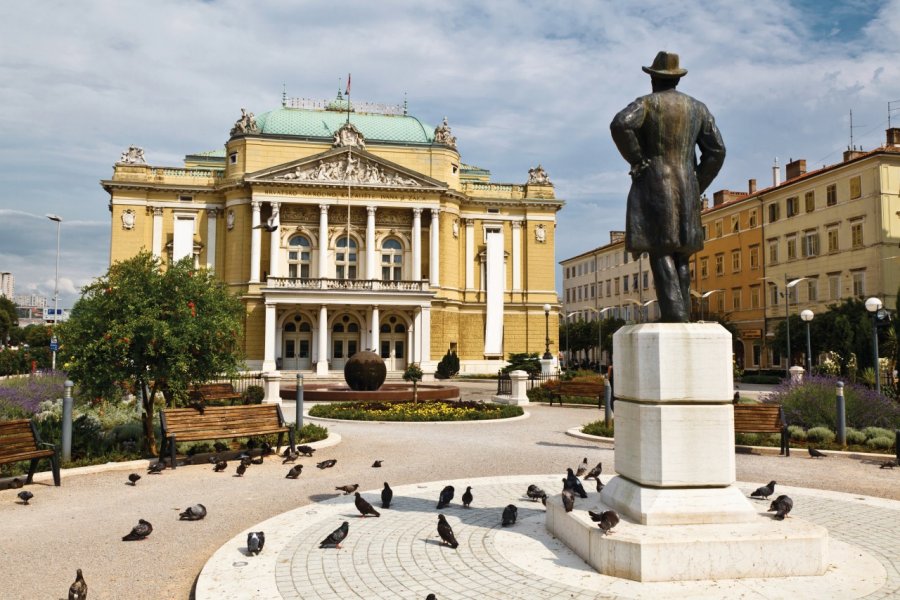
<point x="572" y="488"/>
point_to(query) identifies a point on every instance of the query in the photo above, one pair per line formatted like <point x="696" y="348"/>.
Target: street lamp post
<point x="58" y="220"/>
<point x="787" y="317"/>
<point x="874" y="305"/>
<point x="568" y="348"/>
<point x="600" y="314"/>
<point x="807" y="316"/>
<point x="705" y="296"/>
<point x="645" y="312"/>
<point x="547" y="355"/>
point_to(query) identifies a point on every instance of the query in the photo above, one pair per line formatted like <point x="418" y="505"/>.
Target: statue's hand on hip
<point x="638" y="169"/>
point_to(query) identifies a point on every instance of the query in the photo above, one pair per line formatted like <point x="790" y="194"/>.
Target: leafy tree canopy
<point x="8" y="318"/>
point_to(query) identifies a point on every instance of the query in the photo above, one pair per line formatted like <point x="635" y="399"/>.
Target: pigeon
<point x="364" y="508"/>
<point x="377" y="464"/>
<point x="258" y="461"/>
<point x="595" y="472"/>
<point x="781" y="506"/>
<point x="16" y="483"/>
<point x="608" y="520"/>
<point x="290" y="457"/>
<point x="306" y="450"/>
<point x="765" y="491"/>
<point x="387" y="494"/>
<point x="198" y="406"/>
<point x="347" y="489"/>
<point x="156" y="468"/>
<point x="220" y="466"/>
<point x="430" y="597"/>
<point x="220" y="447"/>
<point x="336" y="537"/>
<point x="246" y="460"/>
<point x="595" y="516"/>
<point x="133" y="478"/>
<point x="445" y="497"/>
<point x="252" y="444"/>
<point x="446" y="532"/>
<point x="509" y="515"/>
<point x="25" y="496"/>
<point x="266" y="449"/>
<point x="139" y="531"/>
<point x="271" y="224"/>
<point x="255" y="542"/>
<point x="535" y="493"/>
<point x="193" y="513"/>
<point x="813" y="453"/>
<point x="294" y="473"/>
<point x="78" y="590"/>
<point x="599" y="485"/>
<point x="568" y="497"/>
<point x="467" y="497"/>
<point x="327" y="464"/>
<point x="241" y="469"/>
<point x="582" y="468"/>
<point x="888" y="464"/>
<point x="574" y="483"/>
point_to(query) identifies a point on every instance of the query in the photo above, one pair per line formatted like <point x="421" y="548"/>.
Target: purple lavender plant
<point x="27" y="392"/>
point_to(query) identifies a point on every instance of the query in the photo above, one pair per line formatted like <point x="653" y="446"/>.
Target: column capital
<point x="212" y="213"/>
<point x="275" y="205"/>
<point x="323" y="209"/>
<point x="417" y="212"/>
<point x="371" y="210"/>
<point x="255" y="205"/>
<point x="271" y="305"/>
<point x="157" y="211"/>
<point x="517" y="224"/>
<point x="435" y="212"/>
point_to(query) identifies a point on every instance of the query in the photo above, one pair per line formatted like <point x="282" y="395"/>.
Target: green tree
<point x="152" y="330"/>
<point x="9" y="320"/>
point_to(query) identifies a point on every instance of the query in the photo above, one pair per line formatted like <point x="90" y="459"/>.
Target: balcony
<point x="351" y="285"/>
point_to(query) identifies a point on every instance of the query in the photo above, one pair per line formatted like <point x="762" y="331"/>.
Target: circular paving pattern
<point x="399" y="554"/>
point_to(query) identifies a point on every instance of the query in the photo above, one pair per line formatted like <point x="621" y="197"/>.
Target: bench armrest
<point x="48" y="444"/>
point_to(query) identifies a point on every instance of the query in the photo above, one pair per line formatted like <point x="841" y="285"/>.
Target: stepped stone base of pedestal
<point x="759" y="548"/>
<point x="677" y="506"/>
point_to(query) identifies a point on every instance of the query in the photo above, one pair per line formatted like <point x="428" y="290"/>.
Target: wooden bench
<point x="220" y="422"/>
<point x="762" y="418"/>
<point x="585" y="389"/>
<point x="208" y="393"/>
<point x="19" y="441"/>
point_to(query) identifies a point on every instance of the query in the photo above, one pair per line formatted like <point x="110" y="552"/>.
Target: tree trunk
<point x="415" y="391"/>
<point x="147" y="418"/>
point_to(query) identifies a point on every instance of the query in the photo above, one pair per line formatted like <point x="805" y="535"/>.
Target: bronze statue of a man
<point x="657" y="135"/>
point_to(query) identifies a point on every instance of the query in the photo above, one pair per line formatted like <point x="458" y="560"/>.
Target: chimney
<point x="616" y="236"/>
<point x="795" y="169"/>
<point x="752" y="186"/>
<point x="893" y="136"/>
<point x="723" y="196"/>
<point x="851" y="153"/>
<point x="776" y="173"/>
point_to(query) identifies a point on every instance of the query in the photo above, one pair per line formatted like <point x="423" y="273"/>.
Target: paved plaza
<point x="80" y="524"/>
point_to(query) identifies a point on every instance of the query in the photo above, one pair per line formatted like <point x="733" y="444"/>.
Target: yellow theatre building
<point x="345" y="228"/>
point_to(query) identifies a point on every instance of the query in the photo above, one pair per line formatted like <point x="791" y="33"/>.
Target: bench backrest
<point x="214" y="388"/>
<point x="17" y="436"/>
<point x="758" y="418"/>
<point x="230" y="420"/>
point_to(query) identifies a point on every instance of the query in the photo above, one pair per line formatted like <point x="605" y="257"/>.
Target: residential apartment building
<point x="7" y="284"/>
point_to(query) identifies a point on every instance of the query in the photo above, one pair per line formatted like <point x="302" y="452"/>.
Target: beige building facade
<point x="345" y="228"/>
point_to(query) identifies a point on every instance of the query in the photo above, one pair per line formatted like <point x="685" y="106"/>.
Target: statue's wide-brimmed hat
<point x="665" y="66"/>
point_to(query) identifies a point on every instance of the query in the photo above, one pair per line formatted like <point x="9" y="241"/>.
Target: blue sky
<point x="522" y="82"/>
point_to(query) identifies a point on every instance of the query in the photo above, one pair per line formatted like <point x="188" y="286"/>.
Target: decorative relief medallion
<point x="348" y="169"/>
<point x="133" y="156"/>
<point x="539" y="176"/>
<point x="128" y="219"/>
<point x="246" y="124"/>
<point x="349" y="135"/>
<point x="443" y="135"/>
<point x="540" y="234"/>
<point x="456" y="228"/>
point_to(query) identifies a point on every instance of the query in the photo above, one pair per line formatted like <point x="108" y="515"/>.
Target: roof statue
<point x="246" y="124"/>
<point x="539" y="176"/>
<point x="443" y="135"/>
<point x="133" y="156"/>
<point x="349" y="135"/>
<point x="658" y="135"/>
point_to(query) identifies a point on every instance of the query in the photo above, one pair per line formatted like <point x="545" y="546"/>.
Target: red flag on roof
<point x="348" y="85"/>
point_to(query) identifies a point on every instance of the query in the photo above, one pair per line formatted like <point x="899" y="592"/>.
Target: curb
<point x="575" y="432"/>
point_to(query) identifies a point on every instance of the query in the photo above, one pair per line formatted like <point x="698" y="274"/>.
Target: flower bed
<point x="436" y="410"/>
<point x="599" y="428"/>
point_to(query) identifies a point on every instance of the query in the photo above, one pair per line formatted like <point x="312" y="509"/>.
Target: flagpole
<point x="347" y="174"/>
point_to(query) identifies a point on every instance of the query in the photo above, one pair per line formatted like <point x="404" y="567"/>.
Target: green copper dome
<point x="323" y="123"/>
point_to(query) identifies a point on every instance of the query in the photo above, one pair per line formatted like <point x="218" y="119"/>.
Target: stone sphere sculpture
<point x="365" y="372"/>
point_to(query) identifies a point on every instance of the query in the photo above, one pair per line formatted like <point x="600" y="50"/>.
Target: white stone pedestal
<point x="518" y="396"/>
<point x="272" y="387"/>
<point x="674" y="454"/>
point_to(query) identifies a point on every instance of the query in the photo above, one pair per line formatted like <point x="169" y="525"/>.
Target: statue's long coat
<point x="657" y="135"/>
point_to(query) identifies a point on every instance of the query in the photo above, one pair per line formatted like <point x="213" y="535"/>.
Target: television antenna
<point x="893" y="106"/>
<point x="852" y="127"/>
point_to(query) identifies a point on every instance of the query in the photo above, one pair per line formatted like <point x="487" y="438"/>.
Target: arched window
<point x="338" y="328"/>
<point x="399" y="328"/>
<point x="391" y="260"/>
<point x="298" y="257"/>
<point x="305" y="326"/>
<point x="290" y="328"/>
<point x="385" y="328"/>
<point x="346" y="260"/>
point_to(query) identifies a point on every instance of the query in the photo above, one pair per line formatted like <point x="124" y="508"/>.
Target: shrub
<point x="599" y="428"/>
<point x="874" y="432"/>
<point x="747" y="439"/>
<point x="413" y="373"/>
<point x="880" y="442"/>
<point x="449" y="365"/>
<point x="435" y="410"/>
<point x="797" y="433"/>
<point x="761" y="379"/>
<point x="812" y="402"/>
<point x="855" y="437"/>
<point x="538" y="394"/>
<point x="254" y="395"/>
<point x="28" y="392"/>
<point x="821" y="435"/>
<point x="524" y="361"/>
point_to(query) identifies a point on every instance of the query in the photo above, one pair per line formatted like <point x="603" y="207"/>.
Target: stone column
<point x="269" y="340"/>
<point x="425" y="335"/>
<point x="374" y="319"/>
<point x="323" y="241"/>
<point x="212" y="216"/>
<point x="157" y="232"/>
<point x="416" y="354"/>
<point x="272" y="387"/>
<point x="255" y="241"/>
<point x="370" y="242"/>
<point x="470" y="254"/>
<point x="322" y="365"/>
<point x="417" y="244"/>
<point x="434" y="259"/>
<point x="516" y="256"/>
<point x="275" y="242"/>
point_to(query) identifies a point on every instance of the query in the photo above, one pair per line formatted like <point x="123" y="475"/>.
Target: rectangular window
<point x="773" y="299"/>
<point x="616" y="280"/>
<point x="704" y="268"/>
<point x="752" y="218"/>
<point x="646" y="280"/>
<point x="735" y="224"/>
<point x="774" y="212"/>
<point x="809" y="199"/>
<point x="831" y="195"/>
<point x="754" y="296"/>
<point x="811" y="243"/>
<point x="833" y="245"/>
<point x="793" y="295"/>
<point x="608" y="283"/>
<point x="720" y="265"/>
<point x="793" y="206"/>
<point x="856" y="234"/>
<point x="338" y="348"/>
<point x="754" y="257"/>
<point x="757" y="355"/>
<point x="385" y="349"/>
<point x="773" y="252"/>
<point x="720" y="303"/>
<point x="719" y="228"/>
<point x="289" y="351"/>
<point x="855" y="188"/>
<point x="232" y="158"/>
<point x="859" y="283"/>
<point x="183" y="239"/>
<point x="304" y="349"/>
<point x="625" y="284"/>
<point x="812" y="289"/>
<point x="834" y="286"/>
<point x="792" y="248"/>
<point x="735" y="261"/>
<point x="736" y="299"/>
<point x="705" y="232"/>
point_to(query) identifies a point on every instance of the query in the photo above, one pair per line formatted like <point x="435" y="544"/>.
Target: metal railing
<point x="355" y="285"/>
<point x="241" y="381"/>
<point x="504" y="384"/>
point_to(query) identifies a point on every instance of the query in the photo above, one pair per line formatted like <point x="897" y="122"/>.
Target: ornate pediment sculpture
<point x="133" y="156"/>
<point x="443" y="135"/>
<point x="349" y="135"/>
<point x="348" y="168"/>
<point x="539" y="176"/>
<point x="246" y="124"/>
